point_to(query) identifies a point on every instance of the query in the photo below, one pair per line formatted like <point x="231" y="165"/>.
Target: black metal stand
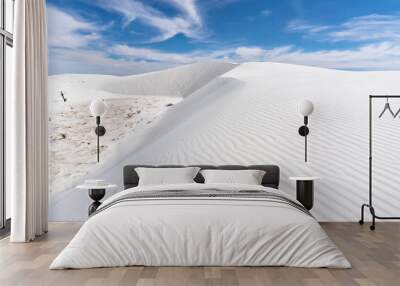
<point x="304" y="131"/>
<point x="96" y="195"/>
<point x="98" y="143"/>
<point x="100" y="131"/>
<point x="369" y="205"/>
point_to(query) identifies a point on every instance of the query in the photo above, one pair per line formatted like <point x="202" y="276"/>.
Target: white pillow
<point x="248" y="177"/>
<point x="165" y="176"/>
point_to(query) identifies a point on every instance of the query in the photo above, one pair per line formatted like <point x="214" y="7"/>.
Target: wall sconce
<point x="98" y="108"/>
<point x="305" y="108"/>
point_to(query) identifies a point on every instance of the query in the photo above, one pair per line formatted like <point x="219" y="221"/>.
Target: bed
<point x="198" y="224"/>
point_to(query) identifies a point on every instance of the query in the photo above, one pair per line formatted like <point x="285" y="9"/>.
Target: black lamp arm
<point x="100" y="131"/>
<point x="303" y="131"/>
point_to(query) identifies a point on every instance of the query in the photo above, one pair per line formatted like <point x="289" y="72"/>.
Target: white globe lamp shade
<point x="305" y="107"/>
<point x="98" y="107"/>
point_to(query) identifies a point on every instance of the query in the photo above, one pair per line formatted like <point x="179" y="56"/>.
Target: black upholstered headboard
<point x="271" y="177"/>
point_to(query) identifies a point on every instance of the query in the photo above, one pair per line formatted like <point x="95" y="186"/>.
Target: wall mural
<point x="183" y="85"/>
<point x="72" y="127"/>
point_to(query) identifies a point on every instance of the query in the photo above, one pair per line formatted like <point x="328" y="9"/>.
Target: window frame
<point x="6" y="39"/>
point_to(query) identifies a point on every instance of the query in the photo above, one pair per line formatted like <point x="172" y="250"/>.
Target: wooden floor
<point x="375" y="257"/>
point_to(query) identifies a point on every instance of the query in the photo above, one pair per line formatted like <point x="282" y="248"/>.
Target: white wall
<point x="249" y="116"/>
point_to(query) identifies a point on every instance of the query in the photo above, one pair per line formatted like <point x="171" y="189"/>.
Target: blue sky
<point x="134" y="36"/>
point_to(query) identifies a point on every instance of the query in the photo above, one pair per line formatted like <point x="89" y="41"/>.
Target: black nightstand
<point x="305" y="190"/>
<point x="96" y="193"/>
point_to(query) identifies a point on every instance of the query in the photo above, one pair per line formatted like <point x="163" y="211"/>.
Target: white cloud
<point x="370" y="27"/>
<point x="188" y="7"/>
<point x="188" y="22"/>
<point x="380" y="51"/>
<point x="70" y="49"/>
<point x="266" y="12"/>
<point x="303" y="26"/>
<point x="152" y="55"/>
<point x="123" y="59"/>
<point x="358" y="29"/>
<point x="250" y="53"/>
<point x="88" y="61"/>
<point x="383" y="56"/>
<point x="68" y="31"/>
<point x="240" y="54"/>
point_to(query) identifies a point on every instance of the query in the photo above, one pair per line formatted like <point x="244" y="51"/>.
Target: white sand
<point x="73" y="143"/>
<point x="180" y="81"/>
<point x="249" y="116"/>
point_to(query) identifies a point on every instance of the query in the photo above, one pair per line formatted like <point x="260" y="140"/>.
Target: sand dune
<point x="248" y="115"/>
<point x="180" y="81"/>
<point x="138" y="104"/>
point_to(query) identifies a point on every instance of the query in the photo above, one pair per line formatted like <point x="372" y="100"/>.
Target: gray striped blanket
<point x="206" y="194"/>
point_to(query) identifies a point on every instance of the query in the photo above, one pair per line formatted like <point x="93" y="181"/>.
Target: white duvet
<point x="193" y="231"/>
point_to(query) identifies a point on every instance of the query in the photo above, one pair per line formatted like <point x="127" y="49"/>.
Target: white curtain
<point x="28" y="121"/>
